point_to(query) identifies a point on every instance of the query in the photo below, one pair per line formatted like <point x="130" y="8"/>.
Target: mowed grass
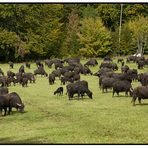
<point x="51" y="119"/>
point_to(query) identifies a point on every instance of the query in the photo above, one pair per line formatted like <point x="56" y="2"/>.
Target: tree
<point x="139" y="28"/>
<point x="71" y="44"/>
<point x="94" y="38"/>
<point x="8" y="44"/>
<point x="110" y="14"/>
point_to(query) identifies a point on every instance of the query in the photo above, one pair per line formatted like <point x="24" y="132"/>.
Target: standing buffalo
<point x="122" y="86"/>
<point x="140" y="92"/>
<point x="80" y="88"/>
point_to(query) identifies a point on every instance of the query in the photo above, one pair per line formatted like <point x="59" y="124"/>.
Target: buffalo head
<point x="20" y="107"/>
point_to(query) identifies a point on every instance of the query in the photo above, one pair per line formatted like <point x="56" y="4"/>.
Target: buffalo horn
<point x="18" y="104"/>
<point x="131" y="89"/>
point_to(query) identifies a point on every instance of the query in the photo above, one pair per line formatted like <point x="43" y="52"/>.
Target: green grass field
<point x="52" y="119"/>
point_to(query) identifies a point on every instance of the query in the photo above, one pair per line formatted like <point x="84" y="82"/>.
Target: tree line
<point x="39" y="31"/>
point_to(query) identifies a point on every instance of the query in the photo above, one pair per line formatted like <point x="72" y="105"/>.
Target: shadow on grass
<point x="81" y="98"/>
<point x="33" y="140"/>
<point x="142" y="104"/>
<point x="116" y="96"/>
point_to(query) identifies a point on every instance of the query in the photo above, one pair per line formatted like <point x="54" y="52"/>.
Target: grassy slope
<point x="52" y="119"/>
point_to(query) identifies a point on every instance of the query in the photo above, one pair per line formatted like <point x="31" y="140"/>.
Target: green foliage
<point x="94" y="38"/>
<point x="36" y="25"/>
<point x="131" y="11"/>
<point x="127" y="42"/>
<point x="47" y="30"/>
<point x="70" y="43"/>
<point x="110" y="14"/>
<point x="89" y="11"/>
<point x="9" y="42"/>
<point x="139" y="28"/>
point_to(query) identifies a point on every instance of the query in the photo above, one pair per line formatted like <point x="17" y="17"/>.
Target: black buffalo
<point x="80" y="88"/>
<point x="140" y="92"/>
<point x="122" y="86"/>
<point x="91" y="62"/>
<point x="51" y="78"/>
<point x="40" y="71"/>
<point x="59" y="91"/>
<point x="9" y="101"/>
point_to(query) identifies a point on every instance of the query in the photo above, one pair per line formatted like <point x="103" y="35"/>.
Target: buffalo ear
<point x="19" y="104"/>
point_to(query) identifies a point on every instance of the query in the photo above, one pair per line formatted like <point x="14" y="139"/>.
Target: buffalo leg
<point x="9" y="111"/>
<point x="139" y="99"/>
<point x="0" y="111"/>
<point x="5" y="111"/>
<point x="126" y="93"/>
<point x="133" y="100"/>
<point x="113" y="93"/>
<point x="106" y="90"/>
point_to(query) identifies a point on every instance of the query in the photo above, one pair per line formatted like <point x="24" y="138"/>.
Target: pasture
<point x="51" y="119"/>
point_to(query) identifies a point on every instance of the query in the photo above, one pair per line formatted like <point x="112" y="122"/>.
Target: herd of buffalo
<point x="69" y="75"/>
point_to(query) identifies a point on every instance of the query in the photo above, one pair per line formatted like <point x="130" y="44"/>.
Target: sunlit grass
<point x="53" y="119"/>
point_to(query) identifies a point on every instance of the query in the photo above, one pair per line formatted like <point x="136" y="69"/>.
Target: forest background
<point x="39" y="31"/>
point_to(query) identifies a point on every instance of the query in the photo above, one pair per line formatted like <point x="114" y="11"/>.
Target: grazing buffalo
<point x="49" y="62"/>
<point x="24" y="81"/>
<point x="16" y="102"/>
<point x="140" y="92"/>
<point x="58" y="65"/>
<point x="91" y="62"/>
<point x="85" y="70"/>
<point x="40" y="71"/>
<point x="57" y="73"/>
<point x="143" y="78"/>
<point x="103" y="72"/>
<point x="10" y="74"/>
<point x="131" y="59"/>
<point x="107" y="64"/>
<point x="59" y="91"/>
<point x="122" y="86"/>
<point x="9" y="101"/>
<point x="106" y="83"/>
<point x="10" y="80"/>
<point x="80" y="88"/>
<point x="29" y="76"/>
